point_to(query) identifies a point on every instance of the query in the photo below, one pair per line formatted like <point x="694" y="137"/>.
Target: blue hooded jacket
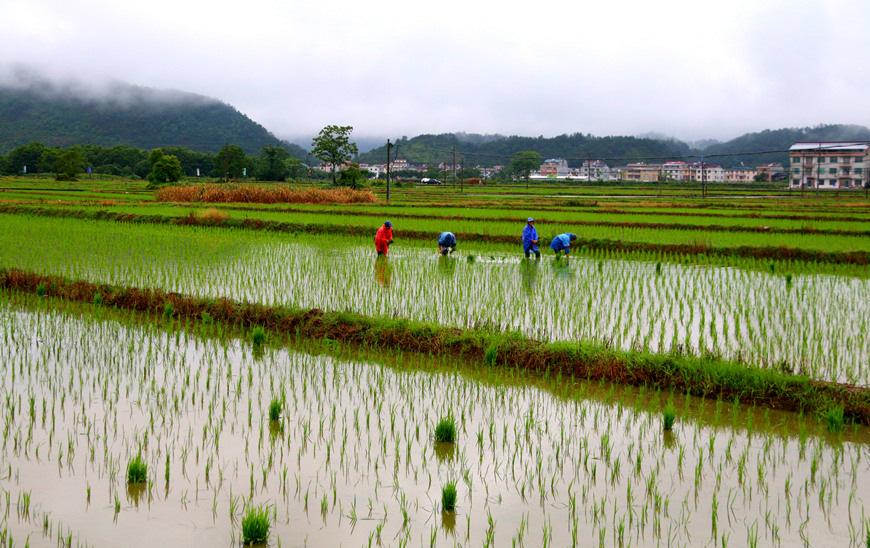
<point x="447" y="239"/>
<point x="560" y="242"/>
<point x="529" y="233"/>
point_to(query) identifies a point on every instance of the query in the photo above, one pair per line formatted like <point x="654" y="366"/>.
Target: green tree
<point x="165" y="168"/>
<point x="333" y="146"/>
<point x="230" y="162"/>
<point x="295" y="169"/>
<point x="26" y="155"/>
<point x="271" y="166"/>
<point x="524" y="162"/>
<point x="350" y="175"/>
<point x="48" y="160"/>
<point x="69" y="164"/>
<point x="762" y="177"/>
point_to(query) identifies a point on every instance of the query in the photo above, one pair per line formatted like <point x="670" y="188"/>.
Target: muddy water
<point x="352" y="461"/>
<point x="814" y="324"/>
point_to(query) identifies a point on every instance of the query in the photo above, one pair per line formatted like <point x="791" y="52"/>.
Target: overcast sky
<point x="693" y="69"/>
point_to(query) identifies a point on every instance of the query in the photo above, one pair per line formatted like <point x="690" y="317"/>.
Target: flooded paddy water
<point x="352" y="461"/>
<point x="808" y="323"/>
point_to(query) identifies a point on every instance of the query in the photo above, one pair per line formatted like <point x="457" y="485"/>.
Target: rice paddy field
<point x="139" y="429"/>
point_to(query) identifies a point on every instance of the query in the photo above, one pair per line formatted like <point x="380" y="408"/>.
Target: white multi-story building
<point x="740" y="174"/>
<point x="675" y="171"/>
<point x="710" y="173"/>
<point x="595" y="171"/>
<point x="836" y="164"/>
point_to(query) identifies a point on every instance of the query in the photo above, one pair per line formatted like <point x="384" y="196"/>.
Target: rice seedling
<point x="669" y="416"/>
<point x="259" y="336"/>
<point x="448" y="497"/>
<point x="445" y="430"/>
<point x="255" y="525"/>
<point x="275" y="409"/>
<point x="137" y="470"/>
<point x="833" y="418"/>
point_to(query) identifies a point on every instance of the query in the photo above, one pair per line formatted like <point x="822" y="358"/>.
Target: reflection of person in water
<point x="563" y="270"/>
<point x="529" y="272"/>
<point x="383" y="271"/>
<point x="446" y="265"/>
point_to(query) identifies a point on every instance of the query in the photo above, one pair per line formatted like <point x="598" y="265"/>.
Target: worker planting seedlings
<point x="562" y="242"/>
<point x="446" y="243"/>
<point x="383" y="238"/>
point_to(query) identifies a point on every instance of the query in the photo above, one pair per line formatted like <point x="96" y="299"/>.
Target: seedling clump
<point x="448" y="496"/>
<point x="446" y="430"/>
<point x="833" y="417"/>
<point x="137" y="470"/>
<point x="670" y="415"/>
<point x="255" y="525"/>
<point x="259" y="336"/>
<point x="275" y="409"/>
<point x="491" y="355"/>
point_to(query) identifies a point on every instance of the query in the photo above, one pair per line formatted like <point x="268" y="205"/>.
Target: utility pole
<point x="454" y="166"/>
<point x="819" y="169"/>
<point x="389" y="146"/>
<point x="704" y="177"/>
<point x="227" y="162"/>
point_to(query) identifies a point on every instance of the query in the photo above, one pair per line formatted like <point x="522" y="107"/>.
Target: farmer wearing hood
<point x="563" y="241"/>
<point x="446" y="243"/>
<point x="384" y="238"/>
<point x="530" y="239"/>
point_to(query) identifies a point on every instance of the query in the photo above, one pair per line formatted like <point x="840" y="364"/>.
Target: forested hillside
<point x="750" y="149"/>
<point x="127" y="115"/>
<point x="497" y="150"/>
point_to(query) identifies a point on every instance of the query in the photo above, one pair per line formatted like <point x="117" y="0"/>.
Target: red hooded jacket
<point x="382" y="238"/>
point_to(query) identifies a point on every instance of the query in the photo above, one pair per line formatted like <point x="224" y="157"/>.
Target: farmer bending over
<point x="446" y="243"/>
<point x="384" y="238"/>
<point x="530" y="239"/>
<point x="563" y="241"/>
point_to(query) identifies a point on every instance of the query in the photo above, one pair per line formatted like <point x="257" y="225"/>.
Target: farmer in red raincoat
<point x="384" y="238"/>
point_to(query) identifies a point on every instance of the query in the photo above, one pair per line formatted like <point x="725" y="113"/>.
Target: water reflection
<point x="446" y="266"/>
<point x="136" y="492"/>
<point x="562" y="269"/>
<point x="383" y="271"/>
<point x="445" y="451"/>
<point x="530" y="272"/>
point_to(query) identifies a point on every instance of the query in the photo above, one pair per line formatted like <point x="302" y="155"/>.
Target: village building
<point x="595" y="171"/>
<point x="554" y="168"/>
<point x="740" y="174"/>
<point x="829" y="165"/>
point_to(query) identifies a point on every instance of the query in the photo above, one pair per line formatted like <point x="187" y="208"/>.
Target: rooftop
<point x="830" y="145"/>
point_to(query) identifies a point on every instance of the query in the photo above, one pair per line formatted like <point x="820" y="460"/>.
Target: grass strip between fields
<point x="706" y="376"/>
<point x="620" y="224"/>
<point x="781" y="253"/>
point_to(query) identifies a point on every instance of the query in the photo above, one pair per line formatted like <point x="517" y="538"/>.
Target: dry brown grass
<point x="214" y="215"/>
<point x="254" y="194"/>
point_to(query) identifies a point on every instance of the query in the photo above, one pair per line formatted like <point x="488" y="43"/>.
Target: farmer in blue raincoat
<point x="530" y="239"/>
<point x="563" y="242"/>
<point x="446" y="243"/>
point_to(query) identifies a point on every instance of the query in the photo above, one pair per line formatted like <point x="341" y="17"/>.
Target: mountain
<point x="35" y="109"/>
<point x="772" y="145"/>
<point x="489" y="150"/>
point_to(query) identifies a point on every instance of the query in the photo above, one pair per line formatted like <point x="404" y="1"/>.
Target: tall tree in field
<point x="69" y="164"/>
<point x="524" y="163"/>
<point x="271" y="165"/>
<point x="230" y="162"/>
<point x="332" y="146"/>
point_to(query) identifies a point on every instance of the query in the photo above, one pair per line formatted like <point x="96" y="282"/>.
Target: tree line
<point x="167" y="164"/>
